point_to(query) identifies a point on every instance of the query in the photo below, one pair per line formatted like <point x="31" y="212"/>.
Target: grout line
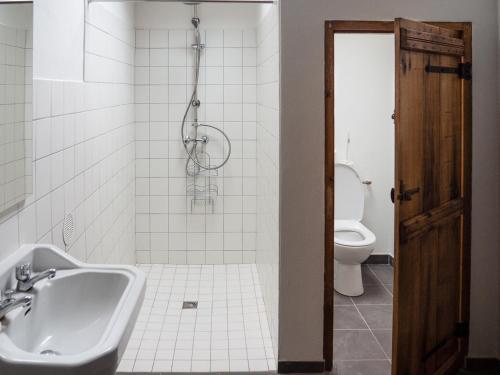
<point x="227" y="318"/>
<point x="363" y="318"/>
<point x="386" y="354"/>
<point x="351" y="329"/>
<point x="380" y="281"/>
<point x="179" y="320"/>
<point x="196" y="314"/>
<point x="211" y="318"/>
<point x="149" y="146"/>
<point x="146" y="321"/>
<point x="371" y="331"/>
<point x="244" y="328"/>
<point x="156" y="350"/>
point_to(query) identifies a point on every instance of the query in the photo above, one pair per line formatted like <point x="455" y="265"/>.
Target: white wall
<point x="364" y="103"/>
<point x="302" y="167"/>
<point x="110" y="41"/>
<point x="158" y="15"/>
<point x="83" y="140"/>
<point x="268" y="136"/>
<point x="58" y="37"/>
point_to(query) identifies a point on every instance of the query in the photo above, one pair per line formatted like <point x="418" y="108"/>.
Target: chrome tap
<point x="26" y="282"/>
<point x="8" y="302"/>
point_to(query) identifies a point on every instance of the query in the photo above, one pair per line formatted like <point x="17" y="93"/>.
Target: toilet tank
<point x="349" y="193"/>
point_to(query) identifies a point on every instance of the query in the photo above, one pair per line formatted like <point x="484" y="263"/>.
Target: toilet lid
<point x="349" y="194"/>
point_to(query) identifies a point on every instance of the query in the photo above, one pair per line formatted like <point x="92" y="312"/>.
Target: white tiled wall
<point x="167" y="230"/>
<point x="84" y="164"/>
<point x="15" y="106"/>
<point x="268" y="131"/>
<point x="84" y="152"/>
<point x="109" y="40"/>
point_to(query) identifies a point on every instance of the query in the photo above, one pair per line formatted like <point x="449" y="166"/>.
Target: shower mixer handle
<point x="198" y="46"/>
<point x="203" y="139"/>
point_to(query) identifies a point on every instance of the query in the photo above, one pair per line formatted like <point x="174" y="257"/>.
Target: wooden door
<point x="432" y="197"/>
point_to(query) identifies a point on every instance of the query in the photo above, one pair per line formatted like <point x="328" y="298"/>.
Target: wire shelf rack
<point x="202" y="182"/>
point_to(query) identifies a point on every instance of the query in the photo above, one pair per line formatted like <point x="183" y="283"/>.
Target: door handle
<point x="406" y="194"/>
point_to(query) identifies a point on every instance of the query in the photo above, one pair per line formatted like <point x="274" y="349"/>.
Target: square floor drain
<point x="189" y="305"/>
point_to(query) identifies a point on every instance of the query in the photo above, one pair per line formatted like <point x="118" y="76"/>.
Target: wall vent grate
<point x="189" y="305"/>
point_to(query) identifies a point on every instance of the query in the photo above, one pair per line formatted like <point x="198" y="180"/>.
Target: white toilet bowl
<point x="353" y="242"/>
<point x="353" y="245"/>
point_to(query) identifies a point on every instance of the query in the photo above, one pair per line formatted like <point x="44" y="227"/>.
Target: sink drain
<point x="49" y="352"/>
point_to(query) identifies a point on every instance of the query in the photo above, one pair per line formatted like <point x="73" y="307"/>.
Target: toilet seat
<point x="361" y="236"/>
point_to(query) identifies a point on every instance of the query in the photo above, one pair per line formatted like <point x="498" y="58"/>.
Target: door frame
<point x="331" y="28"/>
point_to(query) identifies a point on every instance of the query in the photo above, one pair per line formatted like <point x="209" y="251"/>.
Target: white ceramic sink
<point x="79" y="322"/>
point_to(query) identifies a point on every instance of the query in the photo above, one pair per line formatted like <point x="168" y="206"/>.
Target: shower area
<point x="206" y="103"/>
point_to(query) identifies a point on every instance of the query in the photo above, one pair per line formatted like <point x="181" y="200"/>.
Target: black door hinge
<point x="464" y="70"/>
<point x="462" y="329"/>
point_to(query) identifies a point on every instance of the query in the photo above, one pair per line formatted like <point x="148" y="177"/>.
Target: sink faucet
<point x="26" y="282"/>
<point x="8" y="302"/>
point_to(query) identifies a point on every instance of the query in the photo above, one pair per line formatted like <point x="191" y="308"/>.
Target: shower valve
<point x="196" y="103"/>
<point x="203" y="139"/>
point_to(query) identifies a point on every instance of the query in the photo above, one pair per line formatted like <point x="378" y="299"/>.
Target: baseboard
<point x="482" y="364"/>
<point x="380" y="259"/>
<point x="300" y="367"/>
<point x="198" y="373"/>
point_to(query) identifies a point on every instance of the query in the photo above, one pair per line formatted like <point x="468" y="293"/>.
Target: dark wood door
<point x="432" y="197"/>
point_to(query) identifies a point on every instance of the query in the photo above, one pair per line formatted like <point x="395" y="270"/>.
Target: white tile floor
<point x="227" y="332"/>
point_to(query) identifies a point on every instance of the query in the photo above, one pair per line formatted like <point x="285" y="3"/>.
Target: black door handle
<point x="406" y="195"/>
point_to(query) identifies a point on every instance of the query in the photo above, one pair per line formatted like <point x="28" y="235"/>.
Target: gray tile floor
<point x="362" y="340"/>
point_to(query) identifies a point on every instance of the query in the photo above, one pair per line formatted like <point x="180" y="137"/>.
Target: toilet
<point x="353" y="242"/>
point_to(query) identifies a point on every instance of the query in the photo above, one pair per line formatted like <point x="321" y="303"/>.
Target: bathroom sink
<point x="79" y="321"/>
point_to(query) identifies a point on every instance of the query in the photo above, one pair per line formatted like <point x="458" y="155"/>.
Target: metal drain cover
<point x="189" y="305"/>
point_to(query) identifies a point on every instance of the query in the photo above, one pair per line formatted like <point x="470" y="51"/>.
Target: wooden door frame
<point x="372" y="27"/>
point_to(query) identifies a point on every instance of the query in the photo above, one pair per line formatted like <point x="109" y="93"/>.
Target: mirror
<point x="16" y="51"/>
